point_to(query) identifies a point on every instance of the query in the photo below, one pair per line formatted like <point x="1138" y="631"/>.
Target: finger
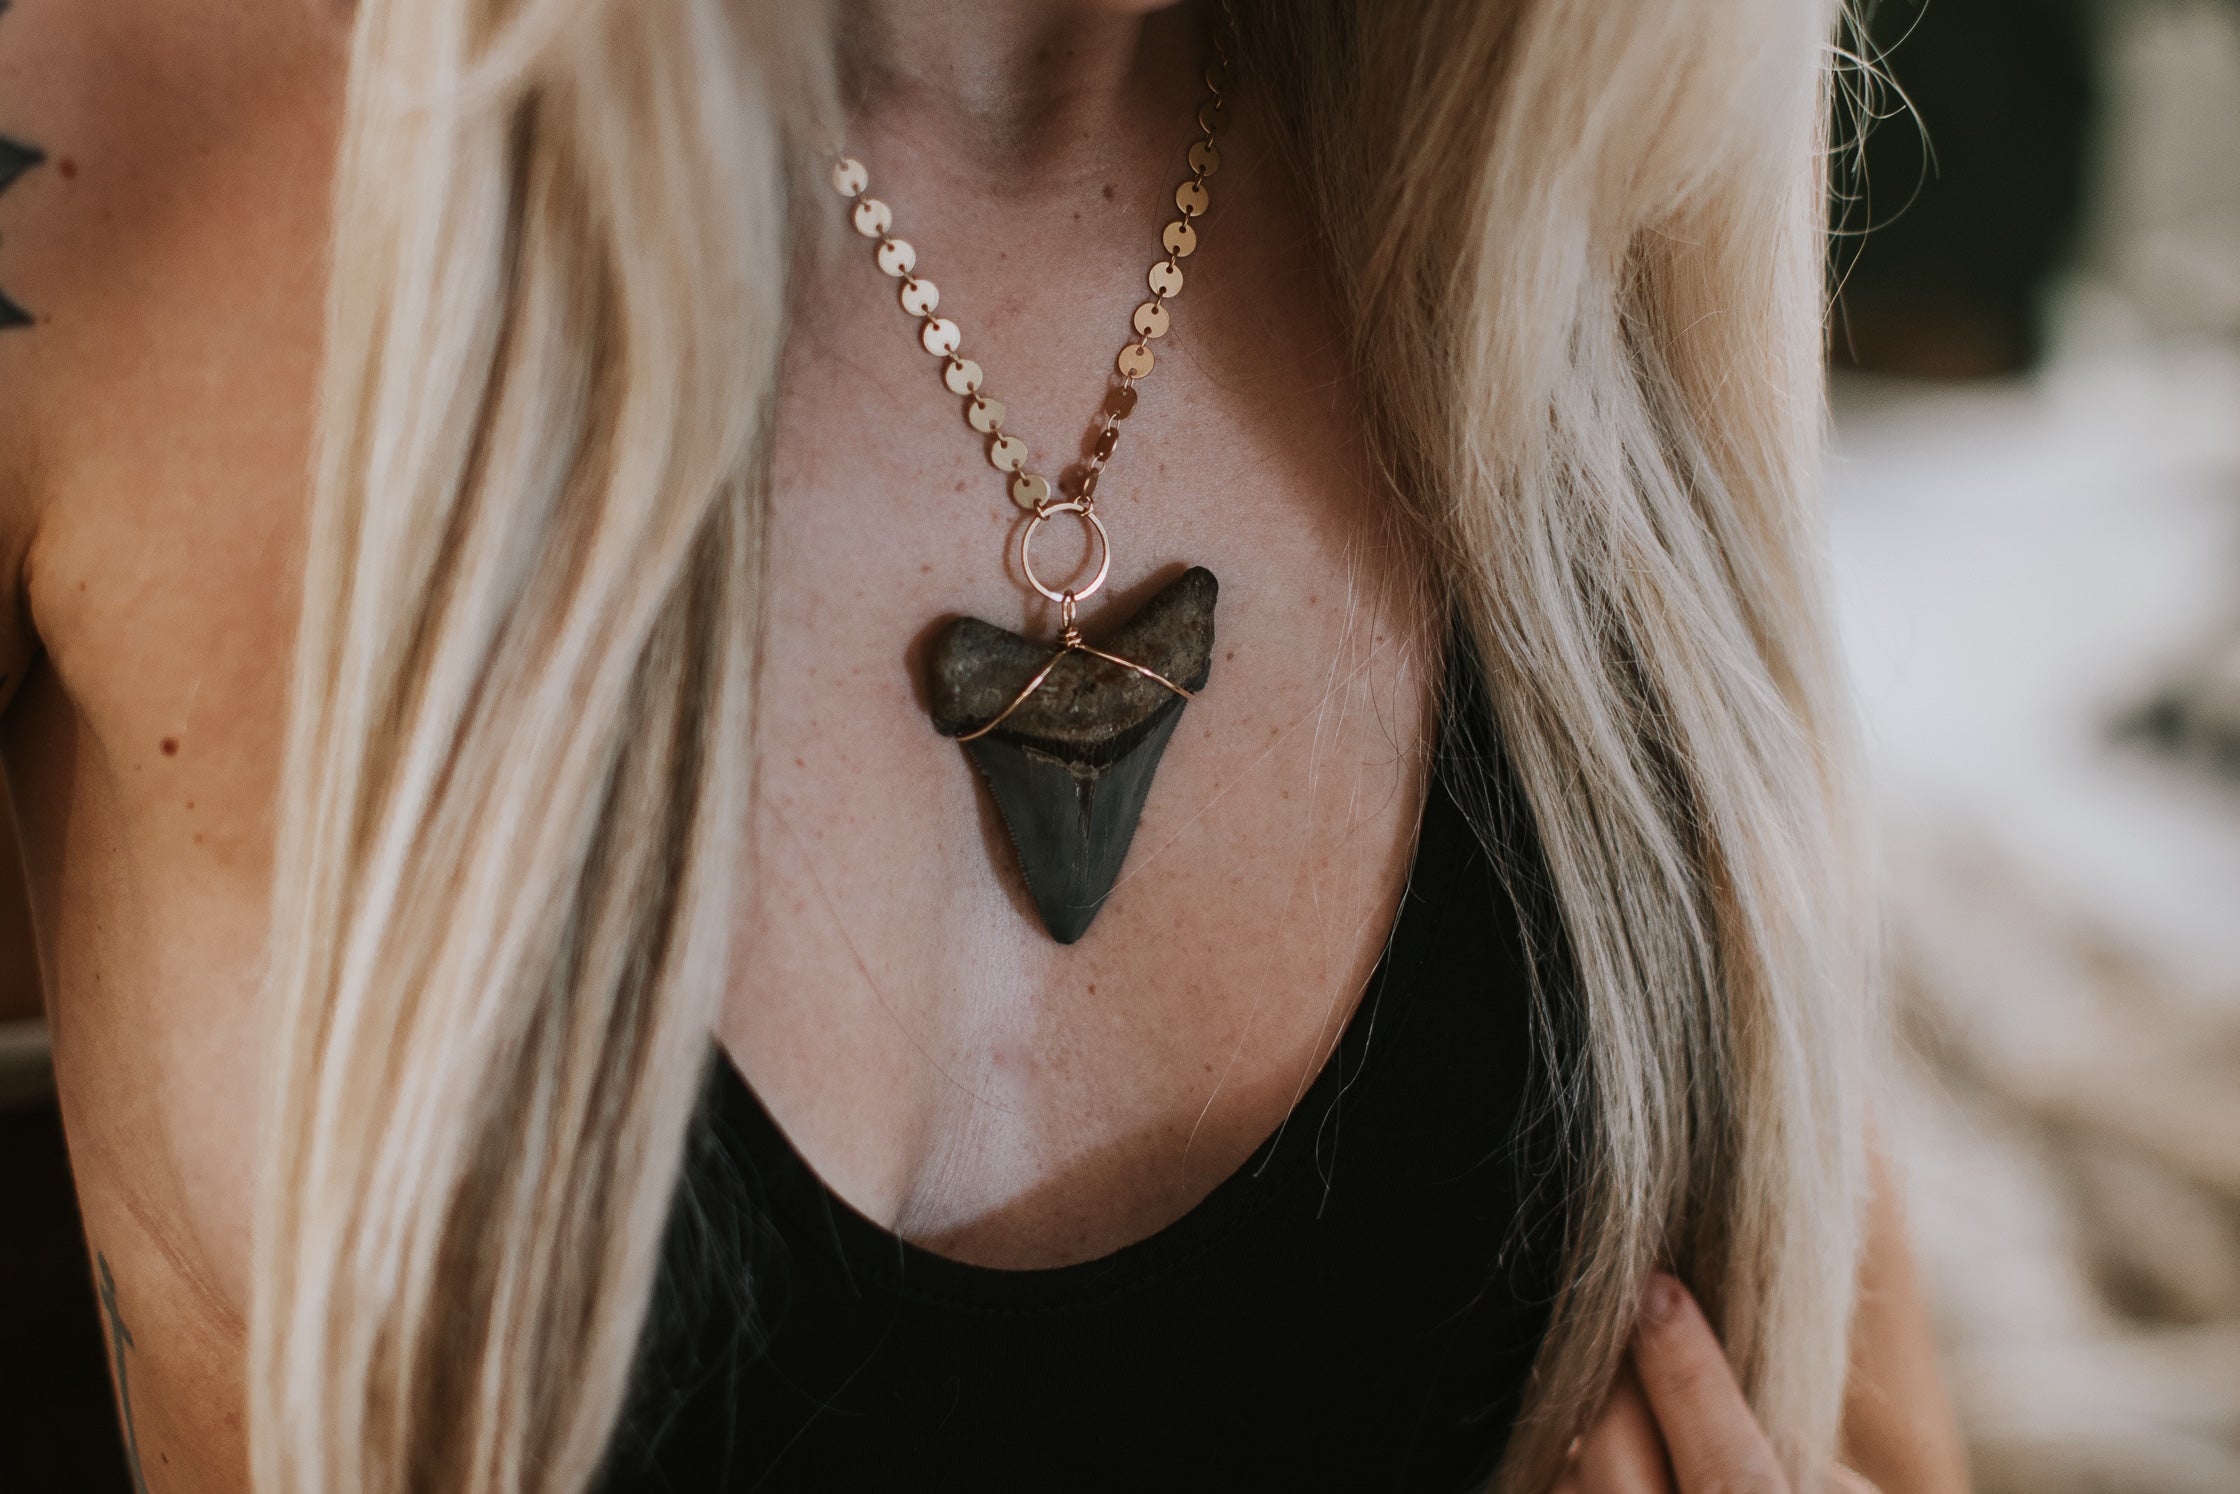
<point x="1709" y="1433"/>
<point x="1622" y="1453"/>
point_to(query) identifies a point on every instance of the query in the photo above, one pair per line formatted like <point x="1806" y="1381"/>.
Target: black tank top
<point x="1355" y="1308"/>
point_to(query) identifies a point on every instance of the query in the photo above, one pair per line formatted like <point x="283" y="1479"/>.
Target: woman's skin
<point x="1676" y="1421"/>
<point x="941" y="1063"/>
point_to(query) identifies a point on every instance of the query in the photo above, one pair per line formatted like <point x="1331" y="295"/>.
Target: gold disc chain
<point x="940" y="336"/>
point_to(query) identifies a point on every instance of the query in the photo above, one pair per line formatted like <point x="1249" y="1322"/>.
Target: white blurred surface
<point x="2020" y="565"/>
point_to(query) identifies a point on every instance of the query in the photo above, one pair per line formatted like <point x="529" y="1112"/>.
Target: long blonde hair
<point x="1579" y="245"/>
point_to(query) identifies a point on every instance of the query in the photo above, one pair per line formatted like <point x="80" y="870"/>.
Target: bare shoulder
<point x="164" y="236"/>
<point x="164" y="175"/>
<point x="1898" y="1426"/>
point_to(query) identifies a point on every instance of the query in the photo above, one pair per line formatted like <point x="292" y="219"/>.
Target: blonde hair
<point x="1580" y="246"/>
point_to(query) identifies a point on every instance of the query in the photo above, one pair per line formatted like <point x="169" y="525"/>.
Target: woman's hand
<point x="1676" y="1422"/>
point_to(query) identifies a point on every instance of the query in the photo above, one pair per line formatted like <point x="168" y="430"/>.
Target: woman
<point x="582" y="712"/>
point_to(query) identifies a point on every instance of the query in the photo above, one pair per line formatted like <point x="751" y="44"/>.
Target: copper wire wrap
<point x="1070" y="642"/>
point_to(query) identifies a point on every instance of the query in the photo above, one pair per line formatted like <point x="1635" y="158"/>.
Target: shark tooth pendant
<point x="1068" y="739"/>
<point x="1068" y="735"/>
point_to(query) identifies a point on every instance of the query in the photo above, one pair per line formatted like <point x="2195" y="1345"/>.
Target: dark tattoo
<point x="15" y="159"/>
<point x="120" y="1339"/>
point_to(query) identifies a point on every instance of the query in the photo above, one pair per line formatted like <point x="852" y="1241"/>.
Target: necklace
<point x="1066" y="736"/>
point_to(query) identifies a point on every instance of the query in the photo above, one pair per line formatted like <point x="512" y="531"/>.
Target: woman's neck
<point x="1039" y="89"/>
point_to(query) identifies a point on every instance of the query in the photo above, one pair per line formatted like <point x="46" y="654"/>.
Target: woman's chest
<point x="951" y="1069"/>
<point x="1355" y="1306"/>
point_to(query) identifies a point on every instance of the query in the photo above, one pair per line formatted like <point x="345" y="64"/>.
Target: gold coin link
<point x="942" y="338"/>
<point x="1150" y="320"/>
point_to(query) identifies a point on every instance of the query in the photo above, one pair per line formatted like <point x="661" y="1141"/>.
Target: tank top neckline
<point x="1356" y="1306"/>
<point x="818" y="1213"/>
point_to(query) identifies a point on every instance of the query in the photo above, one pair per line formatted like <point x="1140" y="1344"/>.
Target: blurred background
<point x="2035" y="498"/>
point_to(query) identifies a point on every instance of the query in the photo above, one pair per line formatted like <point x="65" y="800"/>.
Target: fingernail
<point x="1662" y="1299"/>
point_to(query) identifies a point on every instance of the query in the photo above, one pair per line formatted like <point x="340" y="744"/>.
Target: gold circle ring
<point x="1093" y="523"/>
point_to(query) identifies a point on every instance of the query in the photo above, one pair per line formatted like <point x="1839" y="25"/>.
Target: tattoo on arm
<point x="120" y="1339"/>
<point x="15" y="159"/>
